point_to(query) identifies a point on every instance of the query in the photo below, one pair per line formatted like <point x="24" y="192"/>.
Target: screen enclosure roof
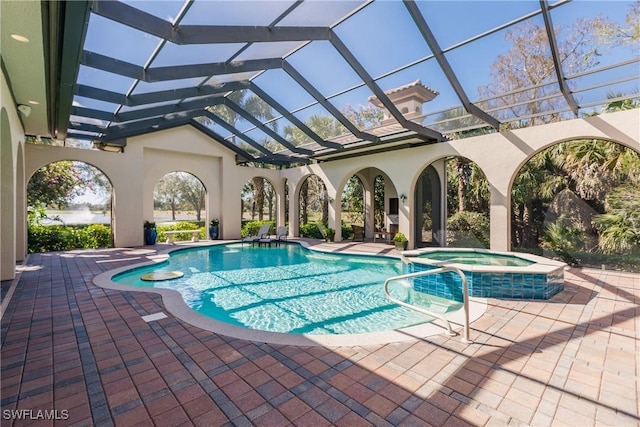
<point x="293" y="82"/>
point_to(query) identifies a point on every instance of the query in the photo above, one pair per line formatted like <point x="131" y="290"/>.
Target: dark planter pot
<point x="150" y="236"/>
<point x="401" y="246"/>
<point x="214" y="232"/>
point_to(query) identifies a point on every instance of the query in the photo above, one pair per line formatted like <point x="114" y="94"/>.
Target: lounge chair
<point x="263" y="233"/>
<point x="322" y="229"/>
<point x="281" y="234"/>
<point x="358" y="233"/>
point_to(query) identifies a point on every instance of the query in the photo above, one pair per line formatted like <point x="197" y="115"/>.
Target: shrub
<point x="251" y="228"/>
<point x="562" y="237"/>
<point x="48" y="238"/>
<point x="468" y="229"/>
<point x="347" y="231"/>
<point x="311" y="231"/>
<point x="400" y="237"/>
<point x="181" y="225"/>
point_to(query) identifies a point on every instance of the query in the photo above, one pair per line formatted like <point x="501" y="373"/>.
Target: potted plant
<point x="150" y="233"/>
<point x="400" y="241"/>
<point x="214" y="228"/>
<point x="331" y="234"/>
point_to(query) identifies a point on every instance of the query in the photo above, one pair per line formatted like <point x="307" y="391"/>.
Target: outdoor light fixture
<point x="24" y="109"/>
<point x="403" y="198"/>
<point x="113" y="145"/>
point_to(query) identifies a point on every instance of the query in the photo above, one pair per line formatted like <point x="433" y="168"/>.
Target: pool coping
<point x="175" y="304"/>
<point x="541" y="265"/>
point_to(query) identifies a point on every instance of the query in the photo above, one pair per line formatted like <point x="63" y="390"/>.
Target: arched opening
<point x="579" y="201"/>
<point x="354" y="216"/>
<point x="179" y="196"/>
<point x="21" y="207"/>
<point x="378" y="204"/>
<point x="69" y="206"/>
<point x="427" y="209"/>
<point x="313" y="206"/>
<point x="369" y="206"/>
<point x="179" y="203"/>
<point x="258" y="205"/>
<point x="7" y="207"/>
<point x="287" y="201"/>
<point x="467" y="204"/>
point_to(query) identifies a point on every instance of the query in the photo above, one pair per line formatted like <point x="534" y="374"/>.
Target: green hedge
<point x="251" y="228"/>
<point x="181" y="225"/>
<point x="311" y="231"/>
<point x="468" y="229"/>
<point x="48" y="238"/>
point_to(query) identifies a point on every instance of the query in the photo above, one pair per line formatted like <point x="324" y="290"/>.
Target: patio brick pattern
<point x="68" y="345"/>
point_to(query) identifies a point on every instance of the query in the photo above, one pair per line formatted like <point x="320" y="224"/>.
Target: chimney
<point x="408" y="99"/>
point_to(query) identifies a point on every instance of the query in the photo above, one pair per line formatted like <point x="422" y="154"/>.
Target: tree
<point x="528" y="64"/>
<point x="192" y="192"/>
<point x="353" y="200"/>
<point x="53" y="185"/>
<point x="615" y="34"/>
<point x="178" y="190"/>
<point x="378" y="202"/>
<point x="168" y="193"/>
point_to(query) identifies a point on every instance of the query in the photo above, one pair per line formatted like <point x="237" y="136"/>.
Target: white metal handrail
<point x="465" y="298"/>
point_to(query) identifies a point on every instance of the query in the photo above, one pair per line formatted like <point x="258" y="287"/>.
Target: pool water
<point x="289" y="289"/>
<point x="477" y="258"/>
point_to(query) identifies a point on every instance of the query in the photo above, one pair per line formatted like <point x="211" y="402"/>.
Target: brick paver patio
<point x="86" y="353"/>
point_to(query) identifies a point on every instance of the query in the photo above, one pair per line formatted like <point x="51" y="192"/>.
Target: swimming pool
<point x="288" y="289"/>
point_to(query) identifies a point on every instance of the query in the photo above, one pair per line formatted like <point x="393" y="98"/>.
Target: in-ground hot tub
<point x="490" y="274"/>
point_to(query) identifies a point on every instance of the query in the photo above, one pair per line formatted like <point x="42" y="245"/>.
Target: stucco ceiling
<point x="24" y="62"/>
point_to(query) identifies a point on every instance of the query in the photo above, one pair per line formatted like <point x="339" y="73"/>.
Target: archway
<point x="7" y="207"/>
<point x="179" y="196"/>
<point x="354" y="215"/>
<point x="369" y="200"/>
<point x="428" y="209"/>
<point x="579" y="201"/>
<point x="467" y="207"/>
<point x="313" y="206"/>
<point x="69" y="206"/>
<point x="451" y="204"/>
<point x="259" y="200"/>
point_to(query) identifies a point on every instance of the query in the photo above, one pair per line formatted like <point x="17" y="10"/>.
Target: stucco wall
<point x="147" y="158"/>
<point x="11" y="207"/>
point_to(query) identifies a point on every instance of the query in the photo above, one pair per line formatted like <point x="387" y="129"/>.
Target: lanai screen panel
<point x="324" y="77"/>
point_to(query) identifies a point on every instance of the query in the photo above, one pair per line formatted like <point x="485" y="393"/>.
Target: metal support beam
<point x="101" y="94"/>
<point x="72" y="29"/>
<point x="237" y="133"/>
<point x="160" y="96"/>
<point x="377" y="91"/>
<point x="165" y="110"/>
<point x="295" y="75"/>
<point x="293" y="119"/>
<point x="220" y="140"/>
<point x="123" y="130"/>
<point x="428" y="36"/>
<point x="557" y="64"/>
<point x="105" y="63"/>
<point x="257" y="123"/>
<point x="202" y="34"/>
